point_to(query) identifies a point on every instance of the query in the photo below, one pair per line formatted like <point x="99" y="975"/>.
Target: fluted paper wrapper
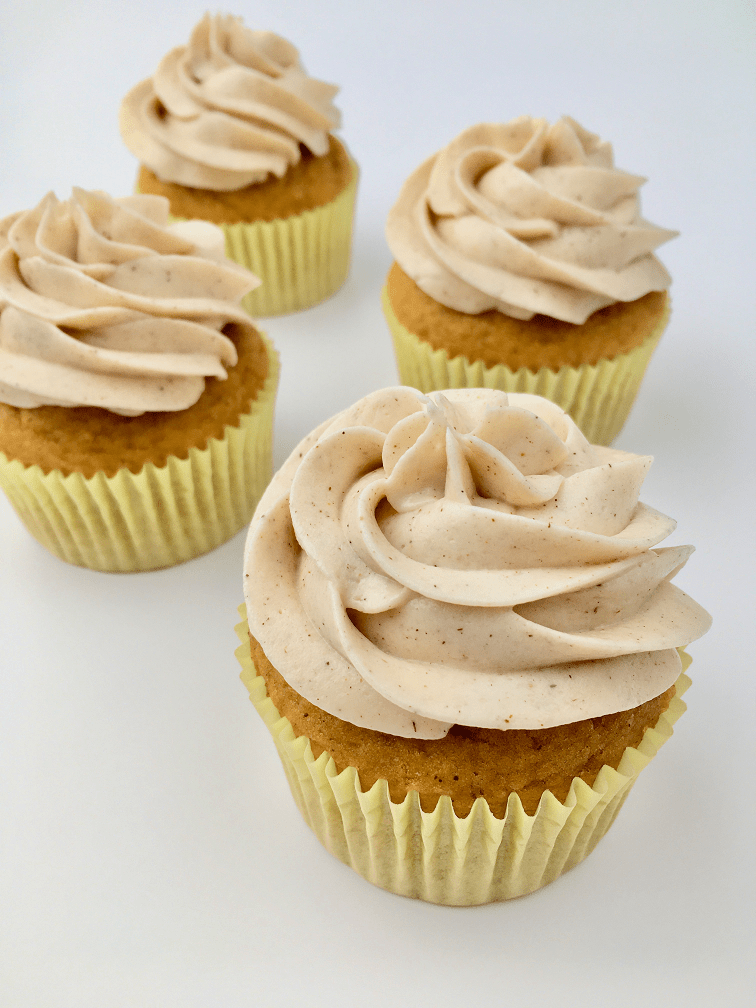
<point x="301" y="260"/>
<point x="437" y="856"/>
<point x="598" y="397"/>
<point x="160" y="516"/>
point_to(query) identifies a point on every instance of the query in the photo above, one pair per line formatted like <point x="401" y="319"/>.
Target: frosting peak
<point x="228" y="109"/>
<point x="526" y="217"/>
<point x="102" y="303"/>
<point x="465" y="558"/>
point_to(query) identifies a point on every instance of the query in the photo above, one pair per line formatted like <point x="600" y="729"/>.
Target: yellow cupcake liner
<point x="160" y="516"/>
<point x="598" y="397"/>
<point x="437" y="856"/>
<point x="301" y="260"/>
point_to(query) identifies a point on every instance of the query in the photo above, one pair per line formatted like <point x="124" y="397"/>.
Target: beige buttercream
<point x="228" y="109"/>
<point x="103" y="303"/>
<point x="526" y="218"/>
<point x="466" y="557"/>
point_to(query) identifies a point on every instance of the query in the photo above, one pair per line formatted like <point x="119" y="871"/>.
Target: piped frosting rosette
<point x="102" y="303"/>
<point x="467" y="558"/>
<point x="526" y="218"/>
<point x="228" y="109"/>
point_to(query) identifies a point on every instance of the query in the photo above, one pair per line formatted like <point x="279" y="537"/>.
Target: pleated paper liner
<point x="598" y="397"/>
<point x="437" y="856"/>
<point x="160" y="516"/>
<point x="301" y="260"/>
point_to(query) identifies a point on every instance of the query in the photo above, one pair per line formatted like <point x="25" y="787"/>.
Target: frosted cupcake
<point x="136" y="396"/>
<point x="523" y="263"/>
<point x="463" y="642"/>
<point x="231" y="129"/>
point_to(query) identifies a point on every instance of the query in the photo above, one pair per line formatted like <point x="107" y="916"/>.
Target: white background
<point x="143" y="863"/>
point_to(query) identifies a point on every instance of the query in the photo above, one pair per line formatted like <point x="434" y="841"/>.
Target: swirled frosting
<point x="526" y="218"/>
<point x="102" y="303"/>
<point x="228" y="109"/>
<point x="465" y="558"/>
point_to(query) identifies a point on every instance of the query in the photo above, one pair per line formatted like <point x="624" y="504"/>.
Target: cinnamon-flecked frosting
<point x="103" y="303"/>
<point x="228" y="109"/>
<point x="526" y="218"/>
<point x="465" y="557"/>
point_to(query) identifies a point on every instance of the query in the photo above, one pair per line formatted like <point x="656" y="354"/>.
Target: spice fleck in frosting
<point x="465" y="558"/>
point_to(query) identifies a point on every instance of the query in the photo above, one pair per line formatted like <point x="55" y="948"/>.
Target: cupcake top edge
<point x="526" y="218"/>
<point x="468" y="558"/>
<point x="228" y="109"/>
<point x="104" y="303"/>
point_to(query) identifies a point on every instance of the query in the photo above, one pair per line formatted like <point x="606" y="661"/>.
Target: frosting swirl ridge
<point x="228" y="109"/>
<point x="102" y="303"/>
<point x="467" y="558"/>
<point x="526" y="218"/>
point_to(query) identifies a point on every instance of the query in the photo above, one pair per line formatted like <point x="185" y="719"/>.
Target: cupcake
<point x="232" y="130"/>
<point x="522" y="263"/>
<point x="462" y="640"/>
<point x="136" y="395"/>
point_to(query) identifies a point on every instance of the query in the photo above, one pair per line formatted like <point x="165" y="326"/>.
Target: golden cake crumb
<point x="469" y="762"/>
<point x="495" y="338"/>
<point x="312" y="182"/>
<point x="88" y="439"/>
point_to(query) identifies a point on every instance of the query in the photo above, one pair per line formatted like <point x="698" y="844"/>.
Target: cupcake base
<point x="293" y="233"/>
<point x="312" y="182"/>
<point x="301" y="260"/>
<point x="159" y="516"/>
<point x="437" y="856"/>
<point x="597" y="396"/>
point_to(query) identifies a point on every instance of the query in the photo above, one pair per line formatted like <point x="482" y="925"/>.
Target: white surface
<point x="143" y="865"/>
